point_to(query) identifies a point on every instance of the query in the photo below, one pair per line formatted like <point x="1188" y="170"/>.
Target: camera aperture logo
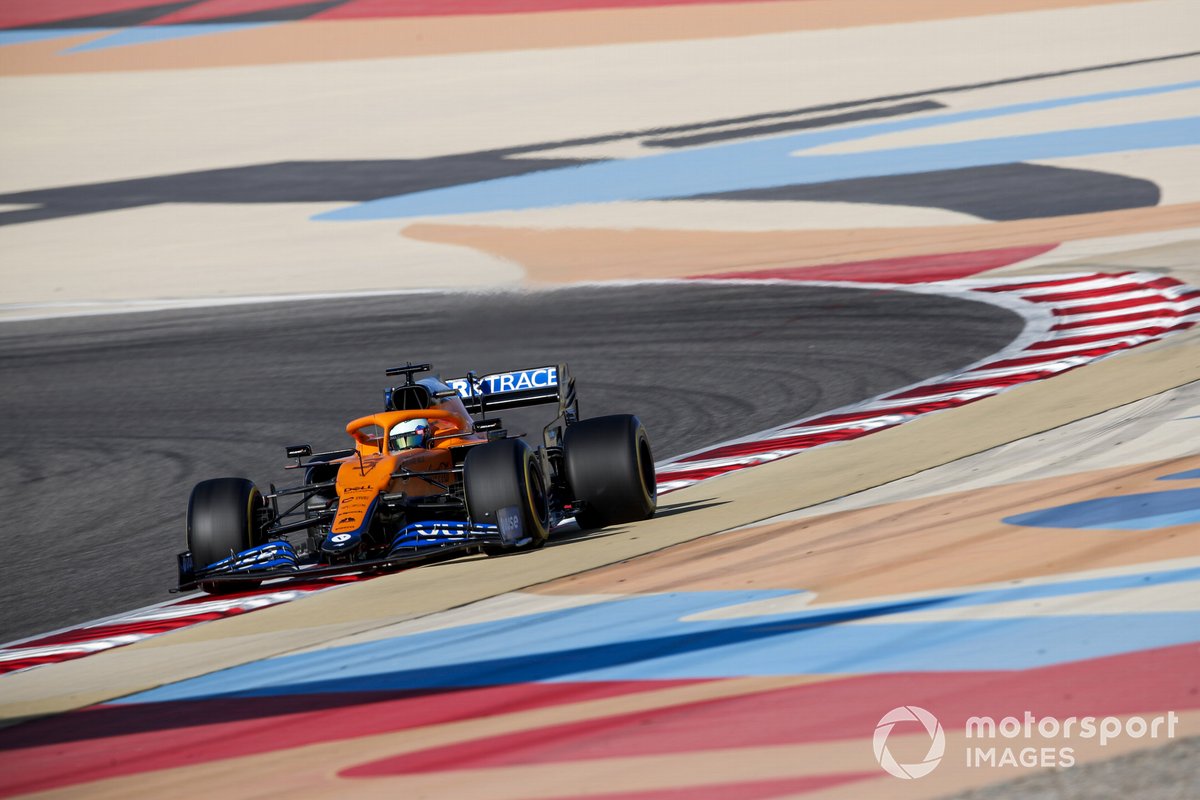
<point x="937" y="742"/>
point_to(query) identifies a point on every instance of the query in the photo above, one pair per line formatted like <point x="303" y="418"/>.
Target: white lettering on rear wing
<point x="505" y="382"/>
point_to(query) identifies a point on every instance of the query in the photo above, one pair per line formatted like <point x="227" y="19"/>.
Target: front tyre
<point x="501" y="474"/>
<point x="610" y="468"/>
<point x="222" y="519"/>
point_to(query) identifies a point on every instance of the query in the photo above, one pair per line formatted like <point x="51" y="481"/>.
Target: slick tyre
<point x="501" y="474"/>
<point x="610" y="468"/>
<point x="222" y="519"/>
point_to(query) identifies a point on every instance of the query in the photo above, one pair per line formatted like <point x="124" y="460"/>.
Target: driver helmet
<point x="408" y="434"/>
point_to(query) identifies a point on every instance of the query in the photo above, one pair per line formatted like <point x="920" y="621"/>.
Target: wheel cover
<point x="535" y="492"/>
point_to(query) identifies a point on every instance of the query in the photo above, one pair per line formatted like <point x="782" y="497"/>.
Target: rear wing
<point x="525" y="387"/>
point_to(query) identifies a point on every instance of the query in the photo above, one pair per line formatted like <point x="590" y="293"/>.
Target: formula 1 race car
<point x="431" y="477"/>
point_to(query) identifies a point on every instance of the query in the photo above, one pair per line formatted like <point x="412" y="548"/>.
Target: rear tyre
<point x="505" y="473"/>
<point x="610" y="468"/>
<point x="222" y="519"/>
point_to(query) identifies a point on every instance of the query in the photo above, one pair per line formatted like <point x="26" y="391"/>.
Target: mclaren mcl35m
<point x="432" y="476"/>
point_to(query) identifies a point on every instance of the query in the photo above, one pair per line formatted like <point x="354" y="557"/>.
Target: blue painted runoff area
<point x="1187" y="475"/>
<point x="24" y="37"/>
<point x="770" y="162"/>
<point x="1131" y="512"/>
<point x="647" y="638"/>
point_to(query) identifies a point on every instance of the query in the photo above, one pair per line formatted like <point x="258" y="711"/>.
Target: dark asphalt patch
<point x="1001" y="192"/>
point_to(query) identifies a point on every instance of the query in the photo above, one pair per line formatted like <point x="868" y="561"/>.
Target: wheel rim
<point x="646" y="468"/>
<point x="537" y="496"/>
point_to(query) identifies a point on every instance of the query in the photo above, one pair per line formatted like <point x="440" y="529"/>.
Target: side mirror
<point x="485" y="425"/>
<point x="299" y="450"/>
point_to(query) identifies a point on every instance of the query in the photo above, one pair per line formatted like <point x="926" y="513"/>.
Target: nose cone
<point x="336" y="543"/>
<point x="352" y="521"/>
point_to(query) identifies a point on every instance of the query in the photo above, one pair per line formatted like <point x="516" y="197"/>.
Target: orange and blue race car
<point x="432" y="476"/>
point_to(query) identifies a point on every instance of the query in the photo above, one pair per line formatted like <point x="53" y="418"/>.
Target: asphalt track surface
<point x="109" y="421"/>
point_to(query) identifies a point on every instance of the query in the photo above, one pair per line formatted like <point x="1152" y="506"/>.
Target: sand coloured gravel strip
<point x="568" y="255"/>
<point x="908" y="546"/>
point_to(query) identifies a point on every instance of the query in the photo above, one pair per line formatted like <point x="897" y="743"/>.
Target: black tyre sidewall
<point x="610" y="467"/>
<point x="220" y="519"/>
<point x="501" y="474"/>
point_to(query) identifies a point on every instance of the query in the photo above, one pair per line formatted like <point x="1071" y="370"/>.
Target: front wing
<point x="279" y="560"/>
